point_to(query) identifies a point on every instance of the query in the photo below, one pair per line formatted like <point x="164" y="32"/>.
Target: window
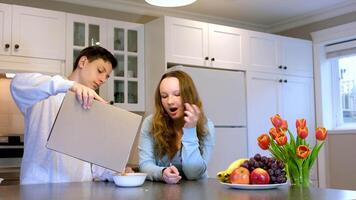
<point x="344" y="91"/>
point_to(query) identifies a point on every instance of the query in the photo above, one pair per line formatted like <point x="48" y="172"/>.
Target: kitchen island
<point x="204" y="189"/>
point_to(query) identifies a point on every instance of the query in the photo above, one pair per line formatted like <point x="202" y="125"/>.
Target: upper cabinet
<point x="296" y="56"/>
<point x="125" y="87"/>
<point x="202" y="44"/>
<point x="32" y="32"/>
<point x="126" y="84"/>
<point x="277" y="54"/>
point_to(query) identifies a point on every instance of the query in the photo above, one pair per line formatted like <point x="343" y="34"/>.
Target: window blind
<point x="341" y="49"/>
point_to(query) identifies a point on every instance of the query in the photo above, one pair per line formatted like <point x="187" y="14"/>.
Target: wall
<point x="342" y="161"/>
<point x="11" y="119"/>
<point x="304" y="31"/>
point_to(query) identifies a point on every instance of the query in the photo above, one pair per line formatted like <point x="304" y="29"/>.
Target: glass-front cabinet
<point x="125" y="40"/>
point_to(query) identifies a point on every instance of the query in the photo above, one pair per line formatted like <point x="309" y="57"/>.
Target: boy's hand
<point x="85" y="95"/>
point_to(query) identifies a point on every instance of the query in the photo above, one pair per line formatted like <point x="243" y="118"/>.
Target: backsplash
<point x="11" y="119"/>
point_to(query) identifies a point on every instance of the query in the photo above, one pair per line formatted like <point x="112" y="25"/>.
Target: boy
<point x="39" y="98"/>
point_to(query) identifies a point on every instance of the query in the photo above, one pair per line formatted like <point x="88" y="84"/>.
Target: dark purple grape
<point x="245" y="165"/>
<point x="270" y="172"/>
<point x="273" y="179"/>
<point x="280" y="164"/>
<point x="277" y="172"/>
<point x="279" y="179"/>
<point x="274" y="166"/>
<point x="257" y="157"/>
<point x="264" y="159"/>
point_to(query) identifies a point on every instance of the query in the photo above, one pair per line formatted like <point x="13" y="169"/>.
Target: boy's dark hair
<point x="96" y="52"/>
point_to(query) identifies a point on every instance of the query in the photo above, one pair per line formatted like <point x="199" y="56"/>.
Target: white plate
<point x="253" y="186"/>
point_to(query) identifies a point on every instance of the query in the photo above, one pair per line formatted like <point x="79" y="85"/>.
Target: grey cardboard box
<point x="102" y="135"/>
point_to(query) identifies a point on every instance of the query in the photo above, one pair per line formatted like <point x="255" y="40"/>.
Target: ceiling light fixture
<point x="170" y="3"/>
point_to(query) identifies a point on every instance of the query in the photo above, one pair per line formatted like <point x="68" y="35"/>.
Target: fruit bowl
<point x="129" y="179"/>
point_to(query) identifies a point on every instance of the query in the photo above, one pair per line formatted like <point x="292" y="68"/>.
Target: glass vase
<point x="297" y="175"/>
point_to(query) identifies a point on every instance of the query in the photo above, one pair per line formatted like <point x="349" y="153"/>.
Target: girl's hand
<point x="192" y="114"/>
<point x="171" y="175"/>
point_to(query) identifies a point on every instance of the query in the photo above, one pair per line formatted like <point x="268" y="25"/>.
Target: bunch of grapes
<point x="274" y="167"/>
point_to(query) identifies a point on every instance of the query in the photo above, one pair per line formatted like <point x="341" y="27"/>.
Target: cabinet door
<point x="263" y="52"/>
<point x="186" y="41"/>
<point x="297" y="101"/>
<point x="263" y="91"/>
<point x="38" y="33"/>
<point x="125" y="88"/>
<point x="226" y="47"/>
<point x="230" y="145"/>
<point x="5" y="29"/>
<point x="83" y="31"/>
<point x="296" y="56"/>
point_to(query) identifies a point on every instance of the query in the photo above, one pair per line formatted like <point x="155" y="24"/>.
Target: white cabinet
<point x="125" y="87"/>
<point x="126" y="84"/>
<point x="32" y="32"/>
<point x="290" y="96"/>
<point x="267" y="94"/>
<point x="230" y="145"/>
<point x="296" y="56"/>
<point x="277" y="54"/>
<point x="202" y="44"/>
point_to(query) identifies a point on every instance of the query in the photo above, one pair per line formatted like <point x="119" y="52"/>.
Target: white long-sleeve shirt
<point x="39" y="98"/>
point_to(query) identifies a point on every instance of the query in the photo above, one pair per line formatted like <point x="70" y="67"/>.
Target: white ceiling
<point x="267" y="15"/>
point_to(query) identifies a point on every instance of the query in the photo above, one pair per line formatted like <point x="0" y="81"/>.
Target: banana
<point x="235" y="165"/>
<point x="224" y="176"/>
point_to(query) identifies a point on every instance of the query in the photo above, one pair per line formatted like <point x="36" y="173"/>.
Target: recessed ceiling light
<point x="170" y="3"/>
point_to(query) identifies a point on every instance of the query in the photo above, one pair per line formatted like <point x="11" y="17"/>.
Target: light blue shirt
<point x="188" y="160"/>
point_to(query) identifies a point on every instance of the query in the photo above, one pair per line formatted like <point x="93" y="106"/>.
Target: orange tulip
<point x="320" y="133"/>
<point x="281" y="139"/>
<point x="302" y="132"/>
<point x="276" y="121"/>
<point x="300" y="123"/>
<point x="263" y="141"/>
<point x="273" y="132"/>
<point x="284" y="125"/>
<point x="302" y="151"/>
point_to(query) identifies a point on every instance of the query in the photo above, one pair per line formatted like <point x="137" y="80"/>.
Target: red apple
<point x="240" y="175"/>
<point x="259" y="176"/>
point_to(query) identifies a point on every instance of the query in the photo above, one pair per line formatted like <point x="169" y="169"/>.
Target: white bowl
<point x="130" y="179"/>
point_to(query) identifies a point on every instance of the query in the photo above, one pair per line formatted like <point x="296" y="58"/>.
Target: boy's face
<point x="93" y="74"/>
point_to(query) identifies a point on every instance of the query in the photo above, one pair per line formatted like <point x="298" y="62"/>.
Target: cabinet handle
<point x="17" y="46"/>
<point x="207" y="58"/>
<point x="285" y="67"/>
<point x="7" y="46"/>
<point x="285" y="81"/>
<point x="212" y="59"/>
<point x="280" y="80"/>
<point x="111" y="102"/>
<point x="280" y="67"/>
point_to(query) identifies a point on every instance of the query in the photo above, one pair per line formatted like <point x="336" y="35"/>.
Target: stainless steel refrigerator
<point x="223" y="93"/>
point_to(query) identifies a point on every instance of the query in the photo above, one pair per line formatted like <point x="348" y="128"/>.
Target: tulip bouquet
<point x="297" y="154"/>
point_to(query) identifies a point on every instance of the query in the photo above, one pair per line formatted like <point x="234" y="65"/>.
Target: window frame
<point x="337" y="111"/>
